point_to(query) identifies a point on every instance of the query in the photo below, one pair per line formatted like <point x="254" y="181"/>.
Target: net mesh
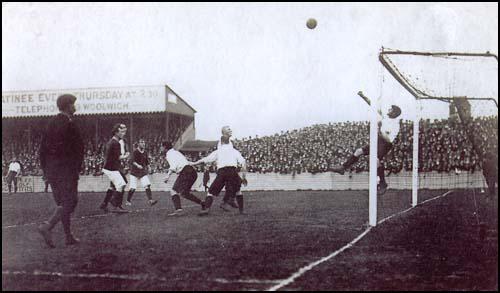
<point x="455" y="138"/>
<point x="441" y="75"/>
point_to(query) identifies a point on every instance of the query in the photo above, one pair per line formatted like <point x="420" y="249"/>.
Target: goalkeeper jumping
<point x="388" y="131"/>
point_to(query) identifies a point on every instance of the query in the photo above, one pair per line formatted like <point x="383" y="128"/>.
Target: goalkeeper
<point x="389" y="129"/>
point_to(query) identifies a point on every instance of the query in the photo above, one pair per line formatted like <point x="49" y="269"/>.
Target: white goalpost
<point x="372" y="193"/>
<point x="429" y="77"/>
<point x="416" y="133"/>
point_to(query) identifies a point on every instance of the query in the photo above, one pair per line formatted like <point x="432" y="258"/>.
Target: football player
<point x="139" y="164"/>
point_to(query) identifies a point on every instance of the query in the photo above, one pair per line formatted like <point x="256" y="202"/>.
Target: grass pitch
<point x="439" y="245"/>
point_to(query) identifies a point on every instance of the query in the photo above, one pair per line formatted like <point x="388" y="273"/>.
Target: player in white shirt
<point x="228" y="160"/>
<point x="14" y="172"/>
<point x="227" y="133"/>
<point x="388" y="131"/>
<point x="185" y="180"/>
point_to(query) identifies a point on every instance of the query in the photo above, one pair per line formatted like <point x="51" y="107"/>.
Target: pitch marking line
<point x="89" y="276"/>
<point x="122" y="277"/>
<point x="303" y="270"/>
<point x="408" y="209"/>
<point x="246" y="281"/>
<point x="281" y="282"/>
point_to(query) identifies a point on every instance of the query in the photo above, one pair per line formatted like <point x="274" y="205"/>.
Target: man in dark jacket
<point x="61" y="158"/>
<point x="490" y="171"/>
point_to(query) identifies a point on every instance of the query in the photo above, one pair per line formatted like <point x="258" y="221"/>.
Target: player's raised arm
<point x="212" y="157"/>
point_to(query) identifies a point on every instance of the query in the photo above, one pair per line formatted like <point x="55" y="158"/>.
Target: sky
<point x="253" y="66"/>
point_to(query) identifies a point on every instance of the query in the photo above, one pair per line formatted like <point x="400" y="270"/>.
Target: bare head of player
<point x="226" y="131"/>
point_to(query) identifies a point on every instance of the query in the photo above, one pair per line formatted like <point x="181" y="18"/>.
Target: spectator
<point x="443" y="144"/>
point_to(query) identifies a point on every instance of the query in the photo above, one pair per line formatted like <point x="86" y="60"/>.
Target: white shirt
<point x="15" y="167"/>
<point x="220" y="143"/>
<point x="389" y="128"/>
<point x="122" y="146"/>
<point x="226" y="156"/>
<point x="176" y="160"/>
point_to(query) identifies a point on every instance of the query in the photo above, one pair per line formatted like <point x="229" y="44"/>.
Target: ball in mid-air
<point x="311" y="23"/>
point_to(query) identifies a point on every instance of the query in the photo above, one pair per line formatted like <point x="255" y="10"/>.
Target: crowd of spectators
<point x="25" y="148"/>
<point x="443" y="146"/>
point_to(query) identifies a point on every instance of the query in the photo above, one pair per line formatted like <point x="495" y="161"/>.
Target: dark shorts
<point x="227" y="176"/>
<point x="185" y="180"/>
<point x="238" y="187"/>
<point x="65" y="193"/>
<point x="490" y="173"/>
<point x="383" y="147"/>
<point x="11" y="176"/>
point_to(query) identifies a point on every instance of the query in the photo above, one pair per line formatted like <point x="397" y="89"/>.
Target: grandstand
<point x="310" y="150"/>
<point x="444" y="146"/>
<point x="155" y="113"/>
<point x="301" y="215"/>
<point x="166" y="116"/>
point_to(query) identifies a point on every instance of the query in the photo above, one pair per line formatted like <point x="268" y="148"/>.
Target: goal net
<point x="450" y="111"/>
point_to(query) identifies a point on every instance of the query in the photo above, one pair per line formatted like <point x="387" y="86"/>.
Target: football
<point x="311" y="23"/>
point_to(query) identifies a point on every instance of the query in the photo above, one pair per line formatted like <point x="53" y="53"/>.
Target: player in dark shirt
<point x="139" y="165"/>
<point x="115" y="153"/>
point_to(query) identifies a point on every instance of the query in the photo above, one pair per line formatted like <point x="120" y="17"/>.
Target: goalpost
<point x="429" y="78"/>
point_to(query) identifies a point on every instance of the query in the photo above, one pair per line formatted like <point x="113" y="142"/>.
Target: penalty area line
<point x="303" y="270"/>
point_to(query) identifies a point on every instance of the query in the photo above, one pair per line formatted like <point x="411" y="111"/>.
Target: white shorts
<point x="115" y="177"/>
<point x="144" y="181"/>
